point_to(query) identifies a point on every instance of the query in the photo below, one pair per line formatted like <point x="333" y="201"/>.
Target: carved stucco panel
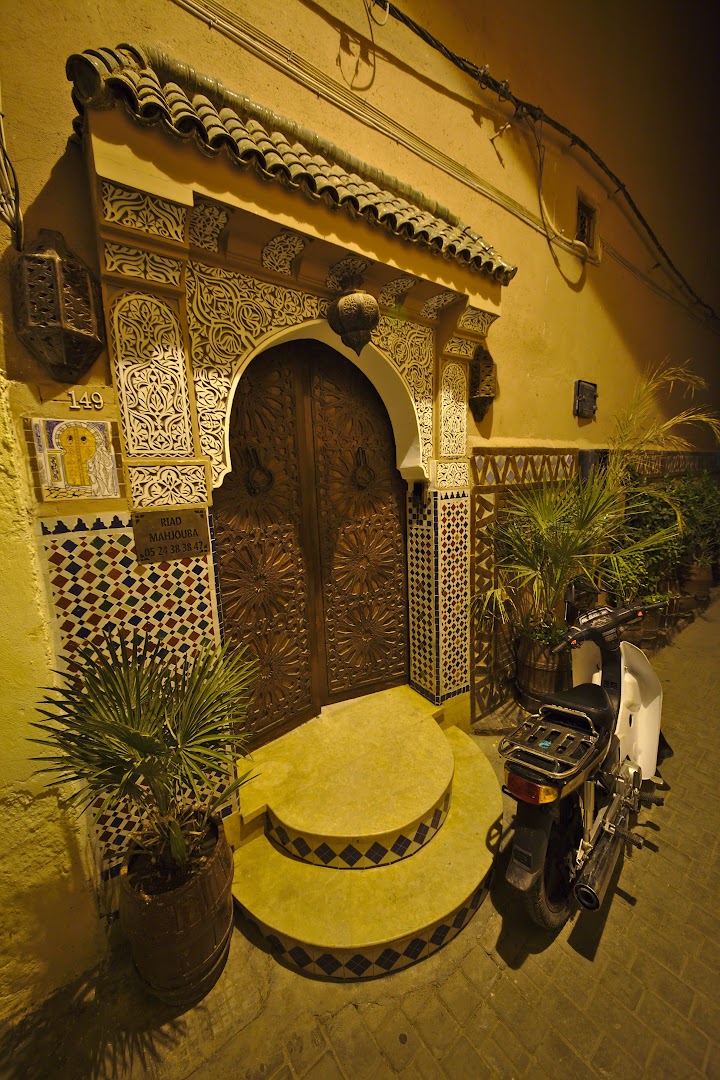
<point x="131" y="262"/>
<point x="280" y="252"/>
<point x="138" y="210"/>
<point x="453" y="412"/>
<point x="452" y="474"/>
<point x="207" y="221"/>
<point x="149" y="360"/>
<point x="228" y="313"/>
<point x="167" y="485"/>
<point x="412" y="349"/>
<point x="476" y="320"/>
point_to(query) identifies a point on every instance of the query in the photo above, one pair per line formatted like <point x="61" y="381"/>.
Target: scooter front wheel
<point x="549" y="901"/>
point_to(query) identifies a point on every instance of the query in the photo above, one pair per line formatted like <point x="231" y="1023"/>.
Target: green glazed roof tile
<point x="156" y="89"/>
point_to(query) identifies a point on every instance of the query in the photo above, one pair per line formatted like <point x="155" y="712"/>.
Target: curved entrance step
<point x="363" y="785"/>
<point x="359" y="925"/>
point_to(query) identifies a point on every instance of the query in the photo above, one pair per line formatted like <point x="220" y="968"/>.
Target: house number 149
<point x="87" y="401"/>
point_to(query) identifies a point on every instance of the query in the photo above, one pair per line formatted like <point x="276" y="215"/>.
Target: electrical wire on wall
<point x="536" y="117"/>
<point x="9" y="192"/>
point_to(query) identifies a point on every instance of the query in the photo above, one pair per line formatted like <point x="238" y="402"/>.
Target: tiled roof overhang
<point x="158" y="90"/>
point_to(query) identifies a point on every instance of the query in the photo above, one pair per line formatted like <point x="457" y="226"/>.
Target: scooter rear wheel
<point x="549" y="901"/>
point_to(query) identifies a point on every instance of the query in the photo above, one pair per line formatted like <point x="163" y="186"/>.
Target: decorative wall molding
<point x="280" y="252"/>
<point x="431" y="307"/>
<point x="168" y="485"/>
<point x="149" y="360"/>
<point x="148" y="213"/>
<point x="132" y="262"/>
<point x="392" y="293"/>
<point x="453" y="412"/>
<point x="475" y="320"/>
<point x="207" y="221"/>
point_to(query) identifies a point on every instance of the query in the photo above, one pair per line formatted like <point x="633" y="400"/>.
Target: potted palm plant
<point x="134" y="728"/>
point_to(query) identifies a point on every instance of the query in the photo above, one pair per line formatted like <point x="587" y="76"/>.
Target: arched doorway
<point x="310" y="532"/>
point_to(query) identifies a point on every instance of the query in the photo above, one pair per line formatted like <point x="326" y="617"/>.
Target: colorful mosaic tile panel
<point x="422" y="576"/>
<point x="96" y="585"/>
<point x="344" y="964"/>
<point x="360" y="854"/>
<point x="453" y="591"/>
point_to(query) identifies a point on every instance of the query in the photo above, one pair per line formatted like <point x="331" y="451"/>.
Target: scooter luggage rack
<point x="550" y="747"/>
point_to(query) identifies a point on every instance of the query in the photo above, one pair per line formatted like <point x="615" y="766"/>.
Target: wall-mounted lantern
<point x="354" y="316"/>
<point x="57" y="307"/>
<point x="483" y="383"/>
<point x="585" y="403"/>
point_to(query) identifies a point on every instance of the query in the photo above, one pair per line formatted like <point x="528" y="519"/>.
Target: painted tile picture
<point x="75" y="459"/>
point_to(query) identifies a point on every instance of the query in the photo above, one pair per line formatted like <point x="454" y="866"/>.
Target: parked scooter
<point x="576" y="769"/>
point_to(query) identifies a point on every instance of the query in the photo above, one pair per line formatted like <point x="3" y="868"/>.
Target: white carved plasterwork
<point x="350" y="267"/>
<point x="207" y="221"/>
<point x="431" y="307"/>
<point x="131" y="262"/>
<point x="452" y="474"/>
<point x="458" y="346"/>
<point x="412" y="348"/>
<point x="474" y="319"/>
<point x="453" y="412"/>
<point x="228" y="313"/>
<point x="392" y="293"/>
<point x="168" y="485"/>
<point x="279" y="252"/>
<point x="149" y="361"/>
<point x="138" y="210"/>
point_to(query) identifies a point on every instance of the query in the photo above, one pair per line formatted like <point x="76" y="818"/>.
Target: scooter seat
<point x="588" y="698"/>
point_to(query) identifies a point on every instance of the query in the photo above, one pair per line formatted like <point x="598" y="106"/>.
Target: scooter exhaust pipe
<point x="592" y="884"/>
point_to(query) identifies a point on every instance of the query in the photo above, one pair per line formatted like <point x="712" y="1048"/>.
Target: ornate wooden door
<point x="310" y="535"/>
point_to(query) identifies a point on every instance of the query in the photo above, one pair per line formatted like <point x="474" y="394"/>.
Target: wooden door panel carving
<point x="258" y="525"/>
<point x="310" y="535"/>
<point x="362" y="542"/>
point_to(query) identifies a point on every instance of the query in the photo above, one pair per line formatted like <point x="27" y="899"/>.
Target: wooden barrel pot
<point x="180" y="939"/>
<point x="538" y="673"/>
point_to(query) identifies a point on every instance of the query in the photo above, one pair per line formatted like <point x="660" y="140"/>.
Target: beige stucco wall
<point x="605" y="77"/>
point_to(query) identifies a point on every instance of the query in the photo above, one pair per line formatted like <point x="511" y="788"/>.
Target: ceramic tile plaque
<point x="167" y="535"/>
<point x="74" y="459"/>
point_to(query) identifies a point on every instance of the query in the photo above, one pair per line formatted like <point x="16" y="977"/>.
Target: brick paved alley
<point x="630" y="991"/>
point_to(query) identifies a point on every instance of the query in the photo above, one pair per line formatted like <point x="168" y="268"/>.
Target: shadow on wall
<point x="63" y="204"/>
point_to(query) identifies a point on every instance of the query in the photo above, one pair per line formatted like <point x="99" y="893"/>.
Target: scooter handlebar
<point x="607" y="619"/>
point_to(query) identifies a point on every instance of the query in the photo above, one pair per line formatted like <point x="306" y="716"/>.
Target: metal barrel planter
<point x="180" y="939"/>
<point x="538" y="672"/>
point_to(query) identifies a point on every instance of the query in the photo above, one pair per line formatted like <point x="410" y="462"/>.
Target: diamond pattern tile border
<point x="359" y="854"/>
<point x="346" y="964"/>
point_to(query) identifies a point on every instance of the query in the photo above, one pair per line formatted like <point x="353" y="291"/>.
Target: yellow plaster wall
<point x="607" y="75"/>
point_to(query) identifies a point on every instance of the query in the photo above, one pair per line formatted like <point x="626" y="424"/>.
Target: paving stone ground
<point x="633" y="990"/>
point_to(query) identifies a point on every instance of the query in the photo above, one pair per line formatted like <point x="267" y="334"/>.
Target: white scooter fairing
<point x="638" y="723"/>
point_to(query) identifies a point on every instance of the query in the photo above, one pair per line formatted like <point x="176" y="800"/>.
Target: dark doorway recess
<point x="310" y="530"/>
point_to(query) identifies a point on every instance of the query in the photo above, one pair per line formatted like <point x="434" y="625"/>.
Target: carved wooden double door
<point x="310" y="530"/>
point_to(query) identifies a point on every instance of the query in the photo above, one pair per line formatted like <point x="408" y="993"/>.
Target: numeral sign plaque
<point x="168" y="535"/>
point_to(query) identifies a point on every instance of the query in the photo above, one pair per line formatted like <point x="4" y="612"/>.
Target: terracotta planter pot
<point x="180" y="939"/>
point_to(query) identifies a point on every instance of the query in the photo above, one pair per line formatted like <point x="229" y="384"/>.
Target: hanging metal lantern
<point x="353" y="317"/>
<point x="57" y="307"/>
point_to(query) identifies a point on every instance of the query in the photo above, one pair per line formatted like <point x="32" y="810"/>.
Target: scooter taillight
<point x="528" y="791"/>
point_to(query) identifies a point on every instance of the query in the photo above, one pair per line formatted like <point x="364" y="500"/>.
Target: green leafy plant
<point x="698" y="497"/>
<point x="159" y="734"/>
